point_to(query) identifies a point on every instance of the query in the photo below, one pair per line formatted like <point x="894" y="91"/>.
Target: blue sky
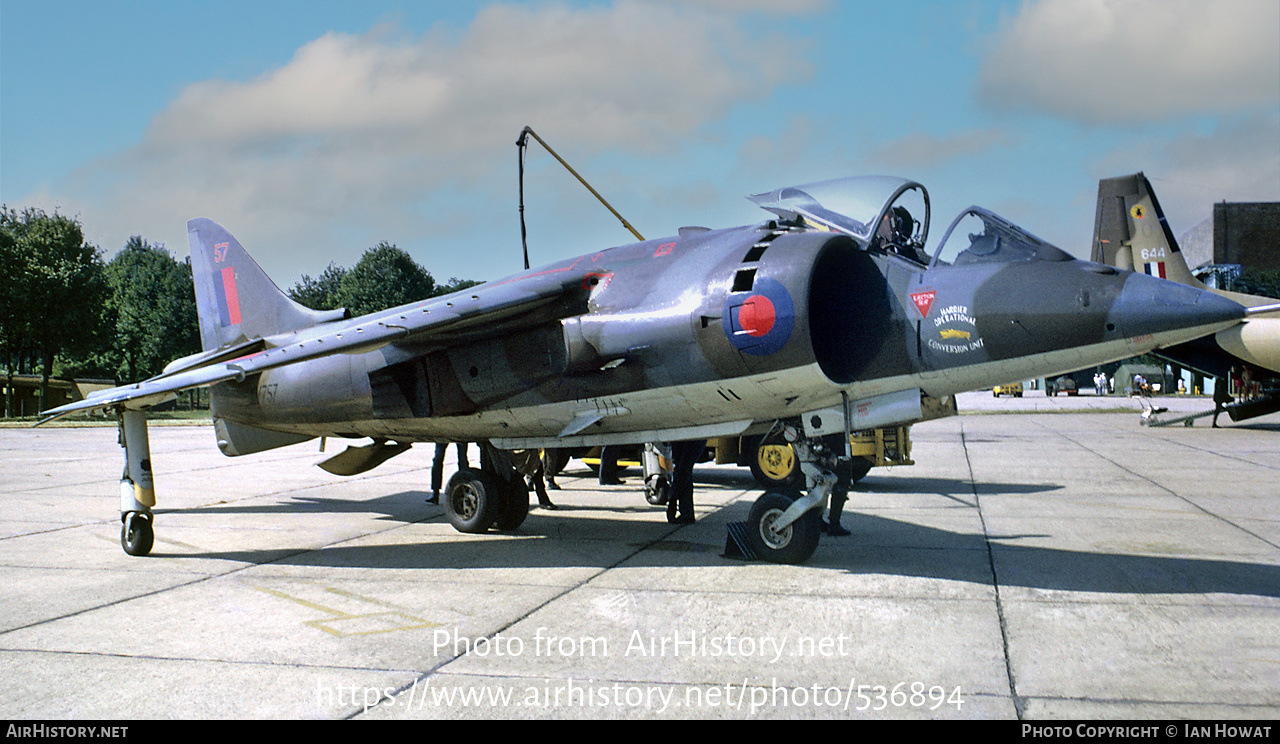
<point x="313" y="130"/>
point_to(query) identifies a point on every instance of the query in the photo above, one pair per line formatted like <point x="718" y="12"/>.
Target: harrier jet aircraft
<point x="1130" y="232"/>
<point x="826" y="319"/>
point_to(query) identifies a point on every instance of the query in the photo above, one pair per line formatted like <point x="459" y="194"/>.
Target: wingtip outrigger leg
<point x="137" y="488"/>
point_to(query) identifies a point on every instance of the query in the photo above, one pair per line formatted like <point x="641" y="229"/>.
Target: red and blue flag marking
<point x="228" y="297"/>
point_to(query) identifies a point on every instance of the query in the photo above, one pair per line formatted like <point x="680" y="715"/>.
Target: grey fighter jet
<point x="827" y="319"/>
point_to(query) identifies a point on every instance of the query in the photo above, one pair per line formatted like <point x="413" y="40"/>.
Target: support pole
<point x="522" y="143"/>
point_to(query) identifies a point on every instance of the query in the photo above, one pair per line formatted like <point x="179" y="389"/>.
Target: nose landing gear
<point x="792" y="543"/>
<point x="783" y="525"/>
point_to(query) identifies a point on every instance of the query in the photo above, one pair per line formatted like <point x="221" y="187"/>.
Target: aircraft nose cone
<point x="1151" y="306"/>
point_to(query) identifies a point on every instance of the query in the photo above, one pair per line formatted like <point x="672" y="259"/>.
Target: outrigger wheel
<point x="136" y="533"/>
<point x="137" y="486"/>
<point x="657" y="490"/>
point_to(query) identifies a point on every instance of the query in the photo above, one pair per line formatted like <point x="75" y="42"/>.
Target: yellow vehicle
<point x="773" y="462"/>
<point x="1014" y="389"/>
<point x="771" y="458"/>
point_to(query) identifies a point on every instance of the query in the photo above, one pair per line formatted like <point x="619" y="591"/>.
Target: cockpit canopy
<point x="882" y="213"/>
<point x="891" y="215"/>
<point x="980" y="236"/>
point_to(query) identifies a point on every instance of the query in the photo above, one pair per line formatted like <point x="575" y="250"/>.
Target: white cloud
<point x="1238" y="161"/>
<point x="920" y="151"/>
<point x="765" y="155"/>
<point x="347" y="141"/>
<point x="775" y="7"/>
<point x="1132" y="61"/>
<point x="634" y="75"/>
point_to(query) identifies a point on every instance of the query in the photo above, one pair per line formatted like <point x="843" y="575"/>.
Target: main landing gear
<point x="137" y="489"/>
<point x="658" y="467"/>
<point x="784" y="525"/>
<point x="492" y="496"/>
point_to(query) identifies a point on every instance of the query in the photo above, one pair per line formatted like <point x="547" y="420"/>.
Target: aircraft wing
<point x="477" y="311"/>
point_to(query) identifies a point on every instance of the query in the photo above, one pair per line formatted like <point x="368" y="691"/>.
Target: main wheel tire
<point x="792" y="544"/>
<point x="472" y="501"/>
<point x="137" y="535"/>
<point x="774" y="464"/>
<point x="515" y="505"/>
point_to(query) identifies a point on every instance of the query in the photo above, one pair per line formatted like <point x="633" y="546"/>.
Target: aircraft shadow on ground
<point x="879" y="545"/>
<point x="1258" y="426"/>
<point x="1038" y="567"/>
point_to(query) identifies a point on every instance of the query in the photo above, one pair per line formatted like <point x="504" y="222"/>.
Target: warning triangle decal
<point x="924" y="301"/>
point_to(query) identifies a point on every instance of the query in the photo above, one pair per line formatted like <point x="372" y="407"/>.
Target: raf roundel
<point x="757" y="316"/>
<point x="759" y="321"/>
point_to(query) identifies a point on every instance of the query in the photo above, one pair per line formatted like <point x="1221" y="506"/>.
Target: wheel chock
<point x="735" y="543"/>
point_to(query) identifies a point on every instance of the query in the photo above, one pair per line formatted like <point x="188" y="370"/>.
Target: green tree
<point x="455" y="285"/>
<point x="12" y="315"/>
<point x="57" y="290"/>
<point x="320" y="293"/>
<point x="153" y="305"/>
<point x="384" y="278"/>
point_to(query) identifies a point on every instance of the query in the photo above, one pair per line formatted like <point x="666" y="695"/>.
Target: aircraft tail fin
<point x="1130" y="231"/>
<point x="235" y="299"/>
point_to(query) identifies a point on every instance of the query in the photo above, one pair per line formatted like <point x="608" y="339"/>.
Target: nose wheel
<point x="793" y="543"/>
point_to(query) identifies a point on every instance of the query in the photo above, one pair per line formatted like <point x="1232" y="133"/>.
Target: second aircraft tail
<point x="1130" y="231"/>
